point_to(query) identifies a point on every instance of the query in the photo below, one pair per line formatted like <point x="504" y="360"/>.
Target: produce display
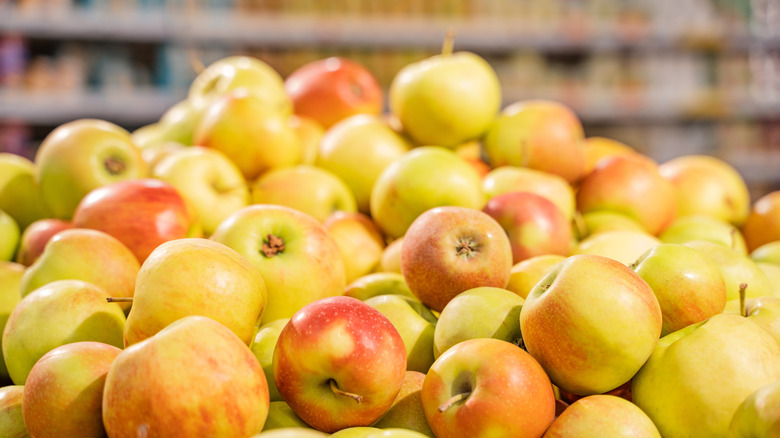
<point x="314" y="255"/>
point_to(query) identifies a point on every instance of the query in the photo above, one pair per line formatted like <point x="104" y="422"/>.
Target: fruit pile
<point x="281" y="257"/>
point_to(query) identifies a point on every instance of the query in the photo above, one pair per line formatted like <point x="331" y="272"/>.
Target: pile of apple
<point x="280" y="257"/>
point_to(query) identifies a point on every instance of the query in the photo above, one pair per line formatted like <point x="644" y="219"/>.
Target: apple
<point x="357" y="150"/>
<point x="471" y="152"/>
<point x="481" y="312"/>
<point x="554" y="188"/>
<point x="705" y="370"/>
<point x="378" y="283"/>
<point x="58" y="313"/>
<point x="524" y="275"/>
<point x="292" y="432"/>
<point x="298" y="259"/>
<point x="359" y="240"/>
<point x="772" y="272"/>
<point x="307" y="188"/>
<point x="424" y="178"/>
<point x="339" y="363"/>
<point x="10" y="280"/>
<point x="414" y="322"/>
<point x="535" y="226"/>
<point x="468" y="392"/>
<point x="396" y="433"/>
<point x="64" y="391"/>
<point x="332" y="89"/>
<point x="355" y="432"/>
<point x="141" y="213"/>
<point x="207" y="180"/>
<point x="767" y="253"/>
<point x="763" y="311"/>
<point x="281" y="415"/>
<point x="596" y="148"/>
<point x="195" y="276"/>
<point x="689" y="287"/>
<point x="263" y="345"/>
<point x="538" y="134"/>
<point x="625" y="246"/>
<point x="735" y="268"/>
<point x="11" y="420"/>
<point x="391" y="256"/>
<point x="310" y="133"/>
<point x="601" y="416"/>
<point x="708" y="186"/>
<point x="448" y="250"/>
<point x="20" y="193"/>
<point x="762" y="225"/>
<point x="194" y="378"/>
<point x="591" y="323"/>
<point x="758" y="414"/>
<point x="35" y="237"/>
<point x="700" y="227"/>
<point x="80" y="156"/>
<point x="154" y="153"/>
<point x="407" y="410"/>
<point x="178" y="122"/>
<point x="631" y="185"/>
<point x="9" y="237"/>
<point x="594" y="222"/>
<point x="253" y="136"/>
<point x="445" y="99"/>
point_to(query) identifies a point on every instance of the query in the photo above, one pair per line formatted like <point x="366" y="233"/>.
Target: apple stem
<point x="449" y="42"/>
<point x="119" y="299"/>
<point x="452" y="400"/>
<point x="742" y="295"/>
<point x="336" y="390"/>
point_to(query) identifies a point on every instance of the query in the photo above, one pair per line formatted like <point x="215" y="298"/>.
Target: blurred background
<point x="668" y="77"/>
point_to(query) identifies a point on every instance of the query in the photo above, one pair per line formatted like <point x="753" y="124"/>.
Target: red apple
<point x="535" y="226"/>
<point x="487" y="387"/>
<point x="332" y="89"/>
<point x="36" y="236"/>
<point x="339" y="363"/>
<point x="763" y="223"/>
<point x="448" y="250"/>
<point x="141" y="214"/>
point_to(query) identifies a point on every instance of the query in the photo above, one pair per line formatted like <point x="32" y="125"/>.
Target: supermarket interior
<point x="667" y="77"/>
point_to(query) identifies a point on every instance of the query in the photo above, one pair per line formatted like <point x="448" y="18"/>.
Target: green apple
<point x="310" y="189"/>
<point x="378" y="283"/>
<point x="20" y="193"/>
<point x="700" y="227"/>
<point x="208" y="180"/>
<point x="594" y="222"/>
<point x="10" y="281"/>
<point x="155" y="153"/>
<point x="481" y="312"/>
<point x="407" y="410"/>
<point x="759" y="414"/>
<point x="767" y="253"/>
<point x="689" y="287"/>
<point x="64" y="391"/>
<point x="625" y="246"/>
<point x="355" y="432"/>
<point x="281" y="415"/>
<point x="262" y="346"/>
<point x="391" y="256"/>
<point x="11" y="420"/>
<point x="736" y="269"/>
<point x="414" y="322"/>
<point x="526" y="274"/>
<point x="82" y="155"/>
<point x="591" y="322"/>
<point x="149" y="136"/>
<point x="764" y="311"/>
<point x="357" y="150"/>
<point x="196" y="276"/>
<point x="178" y="122"/>
<point x="310" y="132"/>
<point x="598" y="416"/>
<point x="424" y="178"/>
<point x="553" y="187"/>
<point x="9" y="237"/>
<point x="705" y="371"/>
<point x="296" y="256"/>
<point x="58" y="313"/>
<point x="359" y="240"/>
<point x="292" y="432"/>
<point x="446" y="99"/>
<point x="194" y="378"/>
<point x="772" y="272"/>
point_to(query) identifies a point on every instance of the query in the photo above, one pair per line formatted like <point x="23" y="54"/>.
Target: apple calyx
<point x="336" y="390"/>
<point x="119" y="299"/>
<point x="272" y="245"/>
<point x="452" y="400"/>
<point x="115" y="165"/>
<point x="742" y="295"/>
<point x="466" y="247"/>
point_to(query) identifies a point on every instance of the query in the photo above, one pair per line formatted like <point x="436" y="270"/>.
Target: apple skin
<point x="539" y="134"/>
<point x="762" y="225"/>
<point x="359" y="240"/>
<point x="36" y="236"/>
<point x="625" y="246"/>
<point x="597" y="416"/>
<point x="20" y="193"/>
<point x="526" y="274"/>
<point x="11" y="420"/>
<point x="149" y="387"/>
<point x="378" y="283"/>
<point x="263" y="345"/>
<point x="307" y="188"/>
<point x="281" y="415"/>
<point x="58" y="313"/>
<point x="310" y="133"/>
<point x="708" y="186"/>
<point x="292" y="432"/>
<point x="735" y="268"/>
<point x="597" y="148"/>
<point x="630" y="184"/>
<point x="689" y="287"/>
<point x="535" y="226"/>
<point x="496" y="391"/>
<point x="700" y="227"/>
<point x="332" y="89"/>
<point x="10" y="280"/>
<point x="554" y="188"/>
<point x="424" y="178"/>
<point x="446" y="99"/>
<point x="391" y="256"/>
<point x="339" y="343"/>
<point x="705" y="371"/>
<point x="357" y="150"/>
<point x="448" y="250"/>
<point x="407" y="410"/>
<point x="591" y="323"/>
<point x="306" y="267"/>
<point x="767" y="253"/>
<point x="763" y="311"/>
<point x="64" y="391"/>
<point x="758" y="414"/>
<point x="195" y="276"/>
<point x="594" y="222"/>
<point x="80" y="156"/>
<point x="10" y="235"/>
